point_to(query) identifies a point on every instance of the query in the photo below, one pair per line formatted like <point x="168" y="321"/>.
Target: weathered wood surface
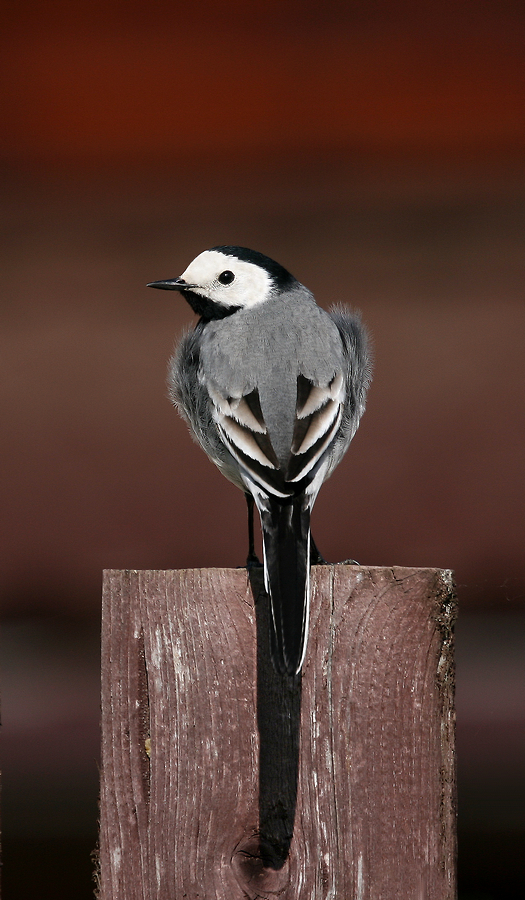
<point x="375" y="817"/>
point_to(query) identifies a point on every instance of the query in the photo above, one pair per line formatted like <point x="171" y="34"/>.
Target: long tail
<point x="286" y="541"/>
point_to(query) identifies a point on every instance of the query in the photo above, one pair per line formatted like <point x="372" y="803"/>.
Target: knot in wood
<point x="260" y="873"/>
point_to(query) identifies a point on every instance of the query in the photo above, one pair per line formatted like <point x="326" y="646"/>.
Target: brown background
<point x="375" y="149"/>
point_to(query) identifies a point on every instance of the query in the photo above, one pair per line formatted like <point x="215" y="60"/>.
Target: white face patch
<point x="250" y="286"/>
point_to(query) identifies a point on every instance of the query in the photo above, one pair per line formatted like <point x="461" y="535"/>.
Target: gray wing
<point x="358" y="361"/>
<point x="191" y="397"/>
<point x="268" y="411"/>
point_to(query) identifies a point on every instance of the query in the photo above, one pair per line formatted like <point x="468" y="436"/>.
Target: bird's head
<point x="223" y="280"/>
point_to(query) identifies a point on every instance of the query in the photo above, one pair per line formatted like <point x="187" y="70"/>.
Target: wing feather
<point x="319" y="423"/>
<point x="244" y="440"/>
<point x="241" y="425"/>
<point x="318" y="416"/>
<point x="301" y="466"/>
<point x="240" y="422"/>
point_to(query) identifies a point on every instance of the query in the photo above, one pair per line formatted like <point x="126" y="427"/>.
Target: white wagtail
<point x="273" y="388"/>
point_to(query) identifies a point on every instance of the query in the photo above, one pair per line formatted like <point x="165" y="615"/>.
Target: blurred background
<point x="376" y="149"/>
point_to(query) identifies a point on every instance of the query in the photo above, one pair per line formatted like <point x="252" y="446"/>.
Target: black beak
<point x="172" y="284"/>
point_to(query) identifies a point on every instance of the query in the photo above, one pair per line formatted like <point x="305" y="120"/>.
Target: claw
<point x="315" y="557"/>
<point x="253" y="561"/>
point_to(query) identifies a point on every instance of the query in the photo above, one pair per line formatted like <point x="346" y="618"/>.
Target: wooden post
<point x="183" y="738"/>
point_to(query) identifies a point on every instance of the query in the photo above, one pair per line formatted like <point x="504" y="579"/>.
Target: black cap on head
<point x="281" y="276"/>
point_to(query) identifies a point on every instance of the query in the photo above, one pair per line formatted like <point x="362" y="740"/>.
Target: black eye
<point x="226" y="277"/>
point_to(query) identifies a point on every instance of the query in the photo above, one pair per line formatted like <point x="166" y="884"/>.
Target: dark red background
<point x="376" y="150"/>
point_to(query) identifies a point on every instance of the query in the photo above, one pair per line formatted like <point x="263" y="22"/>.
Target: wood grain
<point x="375" y="806"/>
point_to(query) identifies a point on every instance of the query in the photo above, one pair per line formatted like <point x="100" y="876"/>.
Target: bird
<point x="272" y="387"/>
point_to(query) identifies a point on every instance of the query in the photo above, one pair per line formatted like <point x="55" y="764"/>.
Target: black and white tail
<point x="286" y="542"/>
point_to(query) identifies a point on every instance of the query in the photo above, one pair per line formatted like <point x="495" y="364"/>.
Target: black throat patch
<point x="206" y="308"/>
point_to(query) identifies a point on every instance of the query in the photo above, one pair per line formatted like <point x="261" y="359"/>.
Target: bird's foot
<point x="253" y="562"/>
<point x="317" y="560"/>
